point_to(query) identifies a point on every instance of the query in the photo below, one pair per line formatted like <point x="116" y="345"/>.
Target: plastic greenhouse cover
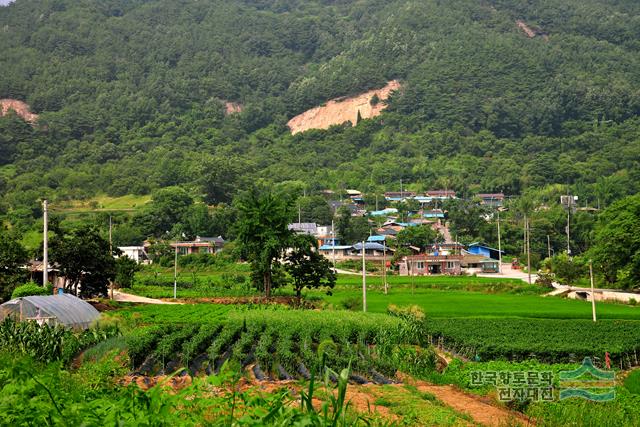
<point x="66" y="309"/>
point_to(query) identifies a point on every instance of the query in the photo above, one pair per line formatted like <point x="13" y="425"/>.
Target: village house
<point x="310" y="228"/>
<point x="436" y="214"/>
<point x="494" y="200"/>
<point x="399" y="196"/>
<point x="135" y="253"/>
<point x="430" y="264"/>
<point x="479" y="264"/>
<point x="36" y="274"/>
<point x="478" y="248"/>
<point x="201" y="245"/>
<point x="372" y="251"/>
<point x="441" y="194"/>
<point x="384" y="212"/>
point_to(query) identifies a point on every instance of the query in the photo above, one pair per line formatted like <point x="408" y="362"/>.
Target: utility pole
<point x="175" y="273"/>
<point x="548" y="246"/>
<point x="364" y="281"/>
<point x="45" y="244"/>
<point x="110" y="250"/>
<point x="110" y="235"/>
<point x="384" y="266"/>
<point x="524" y="236"/>
<point x="528" y="251"/>
<point x="568" y="230"/>
<point x="499" y="247"/>
<point x="333" y="245"/>
<point x="411" y="274"/>
<point x="593" y="294"/>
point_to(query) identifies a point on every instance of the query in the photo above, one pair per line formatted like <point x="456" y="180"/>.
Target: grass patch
<point x="123" y="203"/>
<point x="408" y="403"/>
<point x="632" y="382"/>
<point x="381" y="401"/>
<point x="99" y="351"/>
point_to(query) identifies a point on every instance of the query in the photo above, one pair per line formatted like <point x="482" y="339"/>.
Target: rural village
<point x="320" y="213"/>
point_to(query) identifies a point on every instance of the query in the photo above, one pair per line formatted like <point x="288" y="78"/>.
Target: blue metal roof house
<point x="372" y="248"/>
<point x="479" y="248"/>
<point x="433" y="214"/>
<point x="384" y="212"/>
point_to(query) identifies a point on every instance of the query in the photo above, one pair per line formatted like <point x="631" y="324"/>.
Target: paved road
<point x="510" y="273"/>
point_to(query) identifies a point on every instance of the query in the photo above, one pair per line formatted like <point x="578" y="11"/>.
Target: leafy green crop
<point x="547" y="340"/>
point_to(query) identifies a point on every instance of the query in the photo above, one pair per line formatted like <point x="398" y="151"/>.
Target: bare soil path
<point x="121" y="296"/>
<point x="480" y="409"/>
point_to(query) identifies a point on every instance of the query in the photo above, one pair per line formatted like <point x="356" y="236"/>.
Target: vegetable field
<point x="280" y="344"/>
<point x="179" y="313"/>
<point x="546" y="340"/>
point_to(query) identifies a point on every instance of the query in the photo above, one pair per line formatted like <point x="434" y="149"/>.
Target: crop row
<point x="282" y="344"/>
<point x="546" y="340"/>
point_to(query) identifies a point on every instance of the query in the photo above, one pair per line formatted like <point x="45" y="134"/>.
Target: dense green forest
<point x="131" y="97"/>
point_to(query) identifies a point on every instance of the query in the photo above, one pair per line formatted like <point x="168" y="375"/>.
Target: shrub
<point x="29" y="289"/>
<point x="352" y="303"/>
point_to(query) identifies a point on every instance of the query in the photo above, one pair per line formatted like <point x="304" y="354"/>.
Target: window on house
<point x="420" y="265"/>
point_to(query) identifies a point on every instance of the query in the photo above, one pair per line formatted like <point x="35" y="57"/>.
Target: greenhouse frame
<point x="65" y="309"/>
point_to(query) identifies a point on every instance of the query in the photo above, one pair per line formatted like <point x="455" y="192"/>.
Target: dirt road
<point x="121" y="296"/>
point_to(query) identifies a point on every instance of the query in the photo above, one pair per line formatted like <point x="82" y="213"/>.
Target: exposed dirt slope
<point x="530" y="31"/>
<point x="340" y="110"/>
<point x="232" y="108"/>
<point x="21" y="108"/>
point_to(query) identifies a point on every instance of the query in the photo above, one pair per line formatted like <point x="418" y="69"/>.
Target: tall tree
<point x="262" y="232"/>
<point x="616" y="249"/>
<point x="315" y="209"/>
<point x="165" y="212"/>
<point x="351" y="229"/>
<point x="84" y="259"/>
<point x="12" y="260"/>
<point x="125" y="271"/>
<point x="307" y="267"/>
<point x="421" y="236"/>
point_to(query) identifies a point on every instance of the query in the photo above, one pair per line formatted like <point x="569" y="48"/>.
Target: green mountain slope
<point x="131" y="95"/>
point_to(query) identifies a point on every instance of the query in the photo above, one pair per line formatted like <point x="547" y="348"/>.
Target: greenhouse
<point x="64" y="309"/>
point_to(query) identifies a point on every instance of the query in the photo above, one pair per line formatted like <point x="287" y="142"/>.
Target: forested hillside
<point x="131" y="96"/>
